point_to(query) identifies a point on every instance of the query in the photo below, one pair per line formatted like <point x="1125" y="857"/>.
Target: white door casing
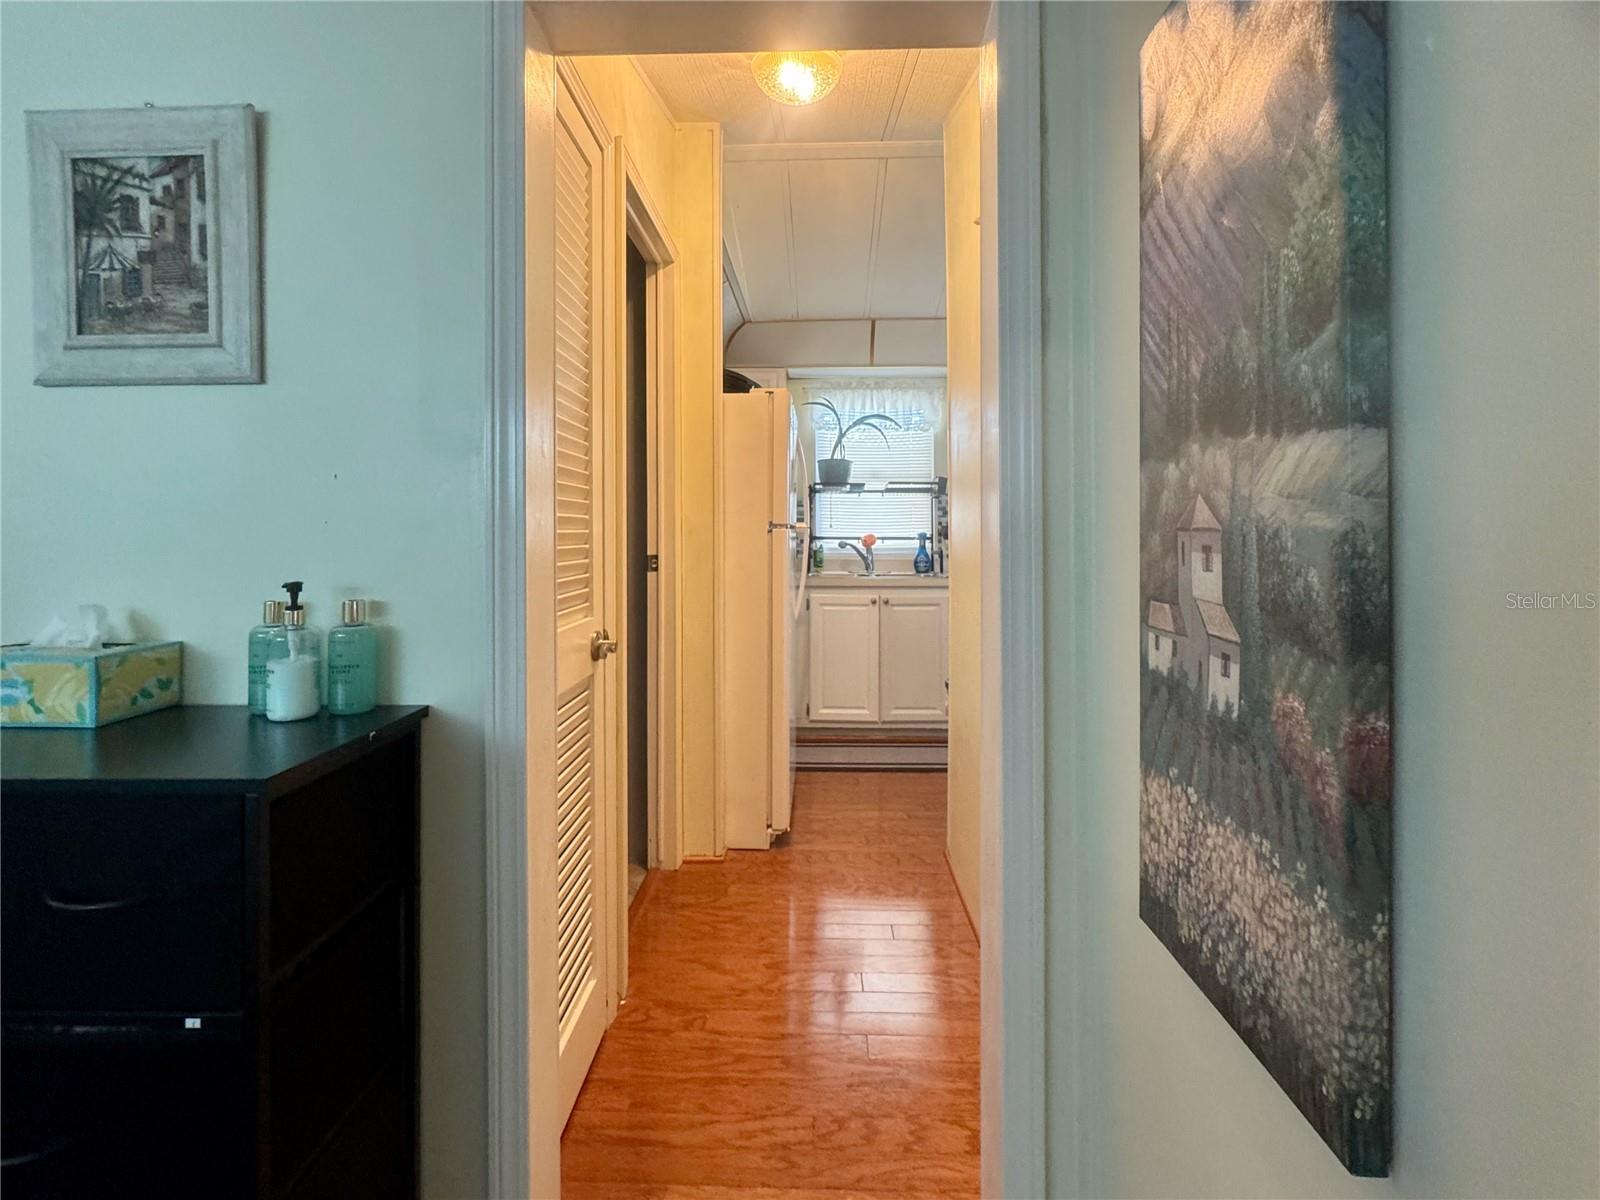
<point x="525" y="1123"/>
<point x="586" y="684"/>
<point x="913" y="649"/>
<point x="844" y="658"/>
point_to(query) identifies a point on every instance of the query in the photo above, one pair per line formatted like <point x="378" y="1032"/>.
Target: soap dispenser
<point x="923" y="562"/>
<point x="294" y="663"/>
<point x="260" y="648"/>
<point x="352" y="662"/>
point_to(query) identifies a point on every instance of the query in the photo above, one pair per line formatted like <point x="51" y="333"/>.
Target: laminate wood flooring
<point x="801" y="1023"/>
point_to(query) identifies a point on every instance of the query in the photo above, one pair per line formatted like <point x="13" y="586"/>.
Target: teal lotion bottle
<point x="260" y="647"/>
<point x="294" y="663"/>
<point x="352" y="662"/>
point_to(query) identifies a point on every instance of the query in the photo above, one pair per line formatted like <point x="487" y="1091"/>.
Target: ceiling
<point x="824" y="238"/>
<point x="883" y="95"/>
<point x="694" y="26"/>
<point x="836" y="210"/>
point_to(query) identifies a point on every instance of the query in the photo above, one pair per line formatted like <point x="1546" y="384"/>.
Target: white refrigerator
<point x="763" y="549"/>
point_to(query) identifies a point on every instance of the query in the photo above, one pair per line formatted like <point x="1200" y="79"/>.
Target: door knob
<point x="601" y="643"/>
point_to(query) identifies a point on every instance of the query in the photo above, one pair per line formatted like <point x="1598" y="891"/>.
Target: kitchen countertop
<point x="847" y="579"/>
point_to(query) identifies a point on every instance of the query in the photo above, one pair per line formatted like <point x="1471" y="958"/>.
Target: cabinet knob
<point x="874" y="599"/>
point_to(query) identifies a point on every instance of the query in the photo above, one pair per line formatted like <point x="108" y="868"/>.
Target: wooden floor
<point x="801" y="1022"/>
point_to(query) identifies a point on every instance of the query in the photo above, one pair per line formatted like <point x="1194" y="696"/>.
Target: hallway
<point x="801" y="1022"/>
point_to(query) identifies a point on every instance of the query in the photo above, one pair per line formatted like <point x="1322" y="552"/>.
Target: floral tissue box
<point x="64" y="688"/>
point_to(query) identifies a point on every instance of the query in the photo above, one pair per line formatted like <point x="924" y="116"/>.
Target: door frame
<point x="524" y="1135"/>
<point x="647" y="229"/>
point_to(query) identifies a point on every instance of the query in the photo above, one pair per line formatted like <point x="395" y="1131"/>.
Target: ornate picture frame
<point x="146" y="246"/>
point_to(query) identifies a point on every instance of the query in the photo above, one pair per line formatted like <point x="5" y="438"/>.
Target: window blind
<point x="902" y="455"/>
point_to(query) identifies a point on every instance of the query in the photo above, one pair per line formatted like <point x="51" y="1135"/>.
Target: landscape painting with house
<point x="141" y="245"/>
<point x="1266" y="770"/>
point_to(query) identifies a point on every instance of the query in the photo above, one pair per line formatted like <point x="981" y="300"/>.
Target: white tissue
<point x="89" y="633"/>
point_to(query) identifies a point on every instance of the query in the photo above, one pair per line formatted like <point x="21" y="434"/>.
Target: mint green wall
<point x="1495" y="194"/>
<point x="358" y="466"/>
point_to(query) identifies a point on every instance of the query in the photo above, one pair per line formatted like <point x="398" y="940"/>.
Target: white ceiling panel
<point x="859" y="109"/>
<point x="934" y="82"/>
<point x="832" y="234"/>
<point x="756" y="206"/>
<point x="908" y="258"/>
<point x="835" y="210"/>
<point x="834" y="205"/>
<point x="883" y="95"/>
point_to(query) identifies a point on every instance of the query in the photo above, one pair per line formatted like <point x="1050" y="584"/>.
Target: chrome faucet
<point x="864" y="553"/>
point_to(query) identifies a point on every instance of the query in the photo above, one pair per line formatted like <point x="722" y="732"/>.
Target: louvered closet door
<point x="584" y="685"/>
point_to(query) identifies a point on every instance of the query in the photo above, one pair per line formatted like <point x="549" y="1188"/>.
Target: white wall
<point x="358" y="466"/>
<point x="1495" y="191"/>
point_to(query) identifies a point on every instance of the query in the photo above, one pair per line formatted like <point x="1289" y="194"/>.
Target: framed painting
<point x="1265" y="753"/>
<point x="146" y="246"/>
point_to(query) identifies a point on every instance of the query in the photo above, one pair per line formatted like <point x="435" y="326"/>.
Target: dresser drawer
<point x="130" y="1118"/>
<point x="122" y="904"/>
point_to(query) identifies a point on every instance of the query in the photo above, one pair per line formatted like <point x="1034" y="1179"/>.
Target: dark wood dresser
<point x="209" y="973"/>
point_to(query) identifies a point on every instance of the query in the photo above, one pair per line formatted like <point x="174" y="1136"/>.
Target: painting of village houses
<point x="141" y="246"/>
<point x="1265" y="644"/>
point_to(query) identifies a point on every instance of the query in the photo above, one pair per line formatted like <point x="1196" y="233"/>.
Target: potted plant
<point x="835" y="469"/>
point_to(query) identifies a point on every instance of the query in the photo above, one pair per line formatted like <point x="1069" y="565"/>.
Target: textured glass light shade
<point x="797" y="76"/>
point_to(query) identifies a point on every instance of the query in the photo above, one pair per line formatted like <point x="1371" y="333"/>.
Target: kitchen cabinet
<point x="878" y="657"/>
<point x="911" y="657"/>
<point x="844" y="658"/>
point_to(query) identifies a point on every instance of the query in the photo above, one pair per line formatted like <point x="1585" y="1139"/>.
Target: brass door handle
<point x="601" y="643"/>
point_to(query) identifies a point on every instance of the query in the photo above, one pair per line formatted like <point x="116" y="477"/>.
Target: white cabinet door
<point x="844" y="657"/>
<point x="912" y="655"/>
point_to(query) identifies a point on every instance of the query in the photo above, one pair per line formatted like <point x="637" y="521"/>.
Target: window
<point x="1205" y="557"/>
<point x="1158" y="641"/>
<point x="128" y="213"/>
<point x="199" y="180"/>
<point x="903" y="455"/>
<point x="203" y="253"/>
<point x="1182" y="556"/>
<point x="1227" y="662"/>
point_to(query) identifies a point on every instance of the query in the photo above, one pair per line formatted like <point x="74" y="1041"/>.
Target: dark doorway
<point x="637" y="583"/>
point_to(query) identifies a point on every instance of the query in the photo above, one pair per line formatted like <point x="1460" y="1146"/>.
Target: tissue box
<point x="63" y="688"/>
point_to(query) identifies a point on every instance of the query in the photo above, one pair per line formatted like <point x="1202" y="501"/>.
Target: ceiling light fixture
<point x="797" y="77"/>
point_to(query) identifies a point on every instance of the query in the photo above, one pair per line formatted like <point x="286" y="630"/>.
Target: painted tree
<point x="1361" y="591"/>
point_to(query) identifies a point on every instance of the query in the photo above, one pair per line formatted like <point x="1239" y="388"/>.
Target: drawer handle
<point x="66" y="904"/>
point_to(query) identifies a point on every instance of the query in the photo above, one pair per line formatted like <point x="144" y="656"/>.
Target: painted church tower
<point x="1200" y="638"/>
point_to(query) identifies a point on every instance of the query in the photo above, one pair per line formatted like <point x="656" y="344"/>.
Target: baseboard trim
<point x="690" y="860"/>
<point x="878" y="736"/>
<point x="961" y="896"/>
<point x="652" y="877"/>
<point x="835" y="756"/>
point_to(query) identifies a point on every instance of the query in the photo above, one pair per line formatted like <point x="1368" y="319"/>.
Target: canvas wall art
<point x="145" y="246"/>
<point x="1266" y="774"/>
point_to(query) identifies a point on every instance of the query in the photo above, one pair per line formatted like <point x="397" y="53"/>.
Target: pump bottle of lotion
<point x="294" y="664"/>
